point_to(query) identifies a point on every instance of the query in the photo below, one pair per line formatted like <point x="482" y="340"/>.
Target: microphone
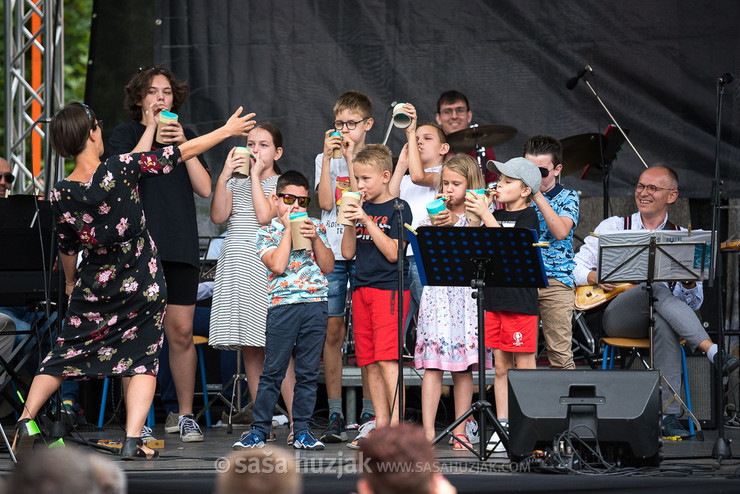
<point x="726" y="78"/>
<point x="572" y="82"/>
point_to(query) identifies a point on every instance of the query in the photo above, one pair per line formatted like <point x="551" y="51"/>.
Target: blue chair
<point x="197" y="340"/>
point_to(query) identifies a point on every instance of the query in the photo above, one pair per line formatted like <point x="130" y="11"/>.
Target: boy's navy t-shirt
<point x="371" y="267"/>
<point x="521" y="300"/>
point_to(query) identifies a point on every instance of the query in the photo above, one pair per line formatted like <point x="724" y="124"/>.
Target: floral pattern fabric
<point x="447" y="328"/>
<point x="113" y="325"/>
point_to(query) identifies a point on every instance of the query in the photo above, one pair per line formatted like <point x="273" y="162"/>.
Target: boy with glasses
<point x="352" y="120"/>
<point x="557" y="209"/>
<point x="297" y="317"/>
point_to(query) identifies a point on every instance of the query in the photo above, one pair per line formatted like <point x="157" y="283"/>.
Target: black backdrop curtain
<point x="655" y="66"/>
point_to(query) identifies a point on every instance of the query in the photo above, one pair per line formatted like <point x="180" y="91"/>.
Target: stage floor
<point x="192" y="467"/>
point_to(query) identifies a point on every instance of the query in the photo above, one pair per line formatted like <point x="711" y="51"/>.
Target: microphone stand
<point x="399" y="207"/>
<point x="721" y="449"/>
<point x="614" y="120"/>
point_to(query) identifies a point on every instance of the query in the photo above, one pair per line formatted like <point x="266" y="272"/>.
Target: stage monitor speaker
<point x="619" y="410"/>
<point x="701" y="386"/>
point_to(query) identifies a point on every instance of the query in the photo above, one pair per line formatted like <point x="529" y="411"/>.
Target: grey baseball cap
<point x="520" y="168"/>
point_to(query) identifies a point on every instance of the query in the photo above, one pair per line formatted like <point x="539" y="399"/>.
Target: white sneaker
<point x="146" y="434"/>
<point x="363" y="431"/>
<point x="495" y="444"/>
<point x="190" y="430"/>
<point x="471" y="430"/>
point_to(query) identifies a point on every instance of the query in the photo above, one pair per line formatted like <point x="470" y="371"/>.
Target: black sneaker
<point x="365" y="418"/>
<point x="727" y="362"/>
<point x="336" y="432"/>
<point x="673" y="428"/>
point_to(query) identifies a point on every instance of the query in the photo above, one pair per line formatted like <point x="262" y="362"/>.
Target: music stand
<point x="646" y="256"/>
<point x="478" y="257"/>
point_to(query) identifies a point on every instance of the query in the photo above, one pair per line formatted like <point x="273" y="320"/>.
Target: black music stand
<point x="645" y="256"/>
<point x="479" y="257"/>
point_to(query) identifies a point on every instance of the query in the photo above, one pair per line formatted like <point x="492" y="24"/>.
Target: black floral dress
<point x="113" y="325"/>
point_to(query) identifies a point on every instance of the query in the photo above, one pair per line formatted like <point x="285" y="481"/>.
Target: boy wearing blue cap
<point x="511" y="313"/>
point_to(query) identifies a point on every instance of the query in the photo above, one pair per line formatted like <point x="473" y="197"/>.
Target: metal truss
<point x="34" y="88"/>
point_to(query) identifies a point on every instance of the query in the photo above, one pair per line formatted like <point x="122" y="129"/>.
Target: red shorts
<point x="511" y="331"/>
<point x="375" y="323"/>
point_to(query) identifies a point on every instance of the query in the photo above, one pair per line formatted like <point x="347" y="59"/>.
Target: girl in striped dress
<point x="239" y="309"/>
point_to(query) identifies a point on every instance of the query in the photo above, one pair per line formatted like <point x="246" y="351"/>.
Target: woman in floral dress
<point x="113" y="325"/>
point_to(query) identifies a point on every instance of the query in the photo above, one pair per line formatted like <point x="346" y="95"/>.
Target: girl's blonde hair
<point x="465" y="166"/>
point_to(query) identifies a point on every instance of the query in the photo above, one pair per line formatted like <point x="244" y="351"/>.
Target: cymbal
<point x="482" y="136"/>
<point x="592" y="149"/>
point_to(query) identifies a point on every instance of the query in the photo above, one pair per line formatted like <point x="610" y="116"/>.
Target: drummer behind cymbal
<point x="453" y="115"/>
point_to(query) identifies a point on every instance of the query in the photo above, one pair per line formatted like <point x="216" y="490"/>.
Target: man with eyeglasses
<point x="626" y="315"/>
<point x="453" y="115"/>
<point x="557" y="209"/>
<point x="6" y="178"/>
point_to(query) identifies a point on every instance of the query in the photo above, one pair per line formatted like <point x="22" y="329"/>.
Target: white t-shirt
<point x="418" y="196"/>
<point x="339" y="183"/>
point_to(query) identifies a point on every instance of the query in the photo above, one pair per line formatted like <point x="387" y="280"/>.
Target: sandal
<point x="460" y="441"/>
<point x="133" y="449"/>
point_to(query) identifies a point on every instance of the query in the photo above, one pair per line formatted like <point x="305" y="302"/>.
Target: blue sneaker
<point x="249" y="439"/>
<point x="365" y="418"/>
<point x="306" y="440"/>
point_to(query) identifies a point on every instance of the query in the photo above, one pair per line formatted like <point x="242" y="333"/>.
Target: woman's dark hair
<point x="70" y="127"/>
<point x="277" y="139"/>
<point x="139" y="84"/>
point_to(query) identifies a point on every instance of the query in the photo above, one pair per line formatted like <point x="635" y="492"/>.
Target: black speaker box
<point x="619" y="410"/>
<point x="701" y="388"/>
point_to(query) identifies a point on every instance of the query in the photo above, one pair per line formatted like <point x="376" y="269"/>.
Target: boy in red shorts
<point x="374" y="241"/>
<point x="511" y="313"/>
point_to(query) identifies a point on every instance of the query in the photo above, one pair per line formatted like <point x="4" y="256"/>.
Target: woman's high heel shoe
<point x="26" y="433"/>
<point x="133" y="449"/>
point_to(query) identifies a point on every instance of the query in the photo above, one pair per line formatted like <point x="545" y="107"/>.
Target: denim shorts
<point x="344" y="271"/>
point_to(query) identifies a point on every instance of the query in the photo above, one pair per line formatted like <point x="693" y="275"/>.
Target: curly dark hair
<point x="139" y="84"/>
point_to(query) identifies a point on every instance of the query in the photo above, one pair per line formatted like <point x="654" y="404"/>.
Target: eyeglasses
<point x="98" y="123"/>
<point x="351" y="125"/>
<point x="289" y="199"/>
<point x="652" y="189"/>
<point x="8" y="177"/>
<point x="460" y="110"/>
<point x="544" y="171"/>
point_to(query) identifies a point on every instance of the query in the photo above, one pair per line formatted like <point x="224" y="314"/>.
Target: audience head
<point x="151" y="80"/>
<point x="268" y="470"/>
<point x="108" y="476"/>
<point x="405" y="445"/>
<point x="54" y="471"/>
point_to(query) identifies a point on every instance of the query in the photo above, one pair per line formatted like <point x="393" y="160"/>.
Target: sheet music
<point x="681" y="253"/>
<point x="679" y="256"/>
